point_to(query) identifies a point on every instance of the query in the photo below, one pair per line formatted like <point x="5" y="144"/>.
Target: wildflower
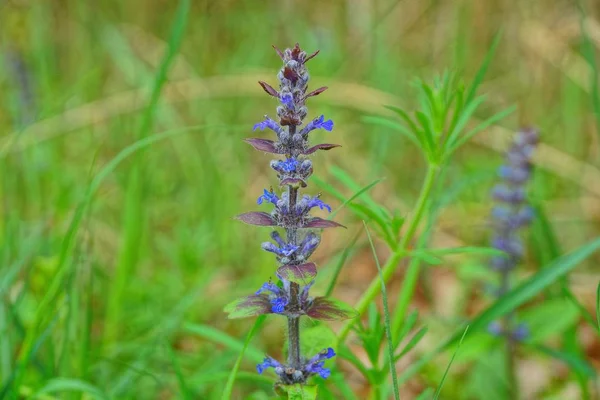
<point x="268" y="196"/>
<point x="278" y="297"/>
<point x="315" y="366"/>
<point x="269" y="362"/>
<point x="318" y="123"/>
<point x="291" y="298"/>
<point x="510" y="214"/>
<point x="268" y="123"/>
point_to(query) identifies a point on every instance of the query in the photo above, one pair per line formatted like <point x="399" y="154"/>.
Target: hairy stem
<point x="410" y="280"/>
<point x="293" y="322"/>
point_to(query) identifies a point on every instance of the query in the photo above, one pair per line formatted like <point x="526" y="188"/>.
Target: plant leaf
<point x="327" y="309"/>
<point x="386" y="315"/>
<point x="301" y="274"/>
<point x="395" y="126"/>
<point x="299" y="392"/>
<point x="317" y="222"/>
<point x="231" y="379"/>
<point x="322" y="146"/>
<point x="249" y="306"/>
<point x="257" y="218"/>
<point x="265" y="145"/>
<point x="71" y="385"/>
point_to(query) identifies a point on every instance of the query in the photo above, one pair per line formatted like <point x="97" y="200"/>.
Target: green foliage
<point x="123" y="166"/>
<point x="299" y="392"/>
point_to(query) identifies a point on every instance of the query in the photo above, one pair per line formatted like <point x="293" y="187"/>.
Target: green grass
<point x="122" y="160"/>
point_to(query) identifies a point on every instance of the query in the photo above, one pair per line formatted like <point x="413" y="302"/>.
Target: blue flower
<point x="268" y="123"/>
<point x="316" y="364"/>
<point x="279" y="304"/>
<point x="287" y="99"/>
<point x="309" y="244"/>
<point x="284" y="251"/>
<point x="316" y="202"/>
<point x="288" y="165"/>
<point x="520" y="333"/>
<point x="268" y="362"/>
<point x="318" y="123"/>
<point x="270" y="287"/>
<point x="267" y="196"/>
<point x="278" y="296"/>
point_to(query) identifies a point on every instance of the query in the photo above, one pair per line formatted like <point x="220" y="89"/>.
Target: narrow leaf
<point x="257" y="218"/>
<point x="386" y="315"/>
<point x="327" y="309"/>
<point x="404" y="131"/>
<point x="439" y="389"/>
<point x="412" y="343"/>
<point x="263" y="145"/>
<point x="267" y="88"/>
<point x="483" y="69"/>
<point x="322" y="146"/>
<point x="231" y="379"/>
<point x="317" y="222"/>
<point x="249" y="306"/>
<point x="316" y="92"/>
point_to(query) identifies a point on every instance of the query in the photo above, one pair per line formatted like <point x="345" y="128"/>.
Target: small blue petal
<point x="316" y="202"/>
<point x="267" y="123"/>
<point x="268" y="362"/>
<point x="279" y="304"/>
<point x="268" y="197"/>
<point x="287" y="99"/>
<point x="269" y="287"/>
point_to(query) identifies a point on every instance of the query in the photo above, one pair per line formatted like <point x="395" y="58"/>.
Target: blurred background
<point x="131" y="293"/>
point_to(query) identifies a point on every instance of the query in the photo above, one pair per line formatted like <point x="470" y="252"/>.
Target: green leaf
<point x="355" y="195"/>
<point x="426" y="394"/>
<point x="412" y="343"/>
<point x="395" y="126"/>
<point x="483" y="69"/>
<point x="222" y="338"/>
<point x="532" y="286"/>
<point x="463" y="119"/>
<point x="231" y="379"/>
<point x="386" y="315"/>
<point x="340" y="264"/>
<point x="316" y="338"/>
<point x="549" y="318"/>
<point x="403" y="329"/>
<point x="299" y="392"/>
<point x="439" y="389"/>
<point x="514" y="298"/>
<point x="580" y="307"/>
<point x="483" y="125"/>
<point x="71" y="385"/>
<point x="572" y="360"/>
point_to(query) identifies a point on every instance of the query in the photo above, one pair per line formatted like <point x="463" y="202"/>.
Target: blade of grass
<point x="231" y="379"/>
<point x="386" y="314"/>
<point x="184" y="391"/>
<point x="439" y="388"/>
<point x="483" y="69"/>
<point x="511" y="300"/>
<point x="340" y="264"/>
<point x="220" y="337"/>
<point x="134" y="210"/>
<point x="63" y="267"/>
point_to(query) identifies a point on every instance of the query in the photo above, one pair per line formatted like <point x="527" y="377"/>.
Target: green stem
<point x="390" y="266"/>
